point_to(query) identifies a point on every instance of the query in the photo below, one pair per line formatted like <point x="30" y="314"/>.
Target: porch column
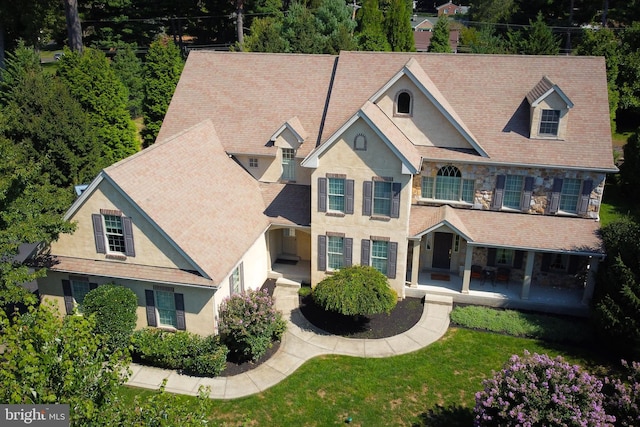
<point x="590" y="282"/>
<point x="415" y="263"/>
<point x="466" y="277"/>
<point x="528" y="273"/>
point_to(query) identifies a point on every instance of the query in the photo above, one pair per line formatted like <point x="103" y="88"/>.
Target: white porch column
<point x="590" y="282"/>
<point x="415" y="263"/>
<point x="466" y="277"/>
<point x="528" y="273"/>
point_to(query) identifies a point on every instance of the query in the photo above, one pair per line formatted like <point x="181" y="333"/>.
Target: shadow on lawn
<point x="450" y="416"/>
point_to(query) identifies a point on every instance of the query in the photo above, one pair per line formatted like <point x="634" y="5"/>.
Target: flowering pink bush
<point x="622" y="398"/>
<point x="249" y="323"/>
<point x="536" y="390"/>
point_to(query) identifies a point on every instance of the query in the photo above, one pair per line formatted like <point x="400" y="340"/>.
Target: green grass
<point x="616" y="206"/>
<point x="526" y="325"/>
<point x="434" y="386"/>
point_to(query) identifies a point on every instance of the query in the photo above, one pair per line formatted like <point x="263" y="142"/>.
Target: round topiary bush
<point x="536" y="390"/>
<point x="355" y="291"/>
<point x="114" y="307"/>
<point x="249" y="323"/>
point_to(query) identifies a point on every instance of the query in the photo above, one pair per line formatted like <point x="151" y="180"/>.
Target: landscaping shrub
<point x="622" y="397"/>
<point x="355" y="291"/>
<point x="518" y="324"/>
<point x="536" y="390"/>
<point x="249" y="323"/>
<point x="114" y="308"/>
<point x="180" y="350"/>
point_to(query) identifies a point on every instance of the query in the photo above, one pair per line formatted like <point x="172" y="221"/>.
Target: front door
<point x="442" y="250"/>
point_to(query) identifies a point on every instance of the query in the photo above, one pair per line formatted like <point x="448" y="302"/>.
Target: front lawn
<point x="434" y="386"/>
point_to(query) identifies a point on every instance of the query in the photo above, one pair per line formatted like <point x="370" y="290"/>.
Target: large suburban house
<point x="476" y="176"/>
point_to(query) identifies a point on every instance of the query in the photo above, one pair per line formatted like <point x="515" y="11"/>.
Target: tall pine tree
<point x="371" y="35"/>
<point x="440" y="37"/>
<point x="397" y="25"/>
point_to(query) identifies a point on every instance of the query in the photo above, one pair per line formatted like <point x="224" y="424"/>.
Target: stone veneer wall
<point x="485" y="179"/>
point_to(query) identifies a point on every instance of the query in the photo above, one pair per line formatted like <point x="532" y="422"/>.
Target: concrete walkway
<point x="301" y="342"/>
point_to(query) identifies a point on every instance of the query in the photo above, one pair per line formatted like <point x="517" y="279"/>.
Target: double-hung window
<point x="288" y="164"/>
<point x="570" y="194"/>
<point x="379" y="255"/>
<point x="504" y="256"/>
<point x="166" y="305"/>
<point x="74" y="291"/>
<point x="113" y="233"/>
<point x="513" y="191"/>
<point x="336" y="194"/>
<point x="549" y="121"/>
<point x="236" y="280"/>
<point x="335" y="252"/>
<point x="165" y="308"/>
<point x="382" y="198"/>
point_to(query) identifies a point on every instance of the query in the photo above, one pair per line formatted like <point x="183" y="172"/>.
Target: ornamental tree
<point x="536" y="390"/>
<point x="355" y="291"/>
<point x="114" y="308"/>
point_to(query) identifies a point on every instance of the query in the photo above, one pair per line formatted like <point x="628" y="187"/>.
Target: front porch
<point x="546" y="299"/>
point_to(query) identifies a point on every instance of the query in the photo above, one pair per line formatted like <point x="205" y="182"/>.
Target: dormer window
<point x="403" y="103"/>
<point x="549" y="122"/>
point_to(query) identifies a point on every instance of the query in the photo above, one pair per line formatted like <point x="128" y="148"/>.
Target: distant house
<point x="423" y="31"/>
<point x="450" y="9"/>
<point x="447" y="173"/>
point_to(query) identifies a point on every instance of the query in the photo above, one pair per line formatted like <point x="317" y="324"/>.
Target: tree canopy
<point x="440" y="37"/>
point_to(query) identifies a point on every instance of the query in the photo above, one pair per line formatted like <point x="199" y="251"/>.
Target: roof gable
<point x="543" y="89"/>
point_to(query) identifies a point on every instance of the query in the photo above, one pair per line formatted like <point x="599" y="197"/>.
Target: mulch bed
<point x="402" y="318"/>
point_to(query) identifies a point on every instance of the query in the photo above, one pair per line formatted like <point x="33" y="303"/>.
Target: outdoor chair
<point x="476" y="272"/>
<point x="503" y="274"/>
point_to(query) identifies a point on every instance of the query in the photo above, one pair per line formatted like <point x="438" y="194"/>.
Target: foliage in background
<point x="355" y="291"/>
<point x="630" y="169"/>
<point x="371" y="35"/>
<point x="48" y="359"/>
<point x="128" y="68"/>
<point x="31" y="212"/>
<point x="538" y="39"/>
<point x="538" y="390"/>
<point x="40" y="115"/>
<point x="180" y="350"/>
<point x="114" y="308"/>
<point x="162" y="68"/>
<point x="397" y="25"/>
<point x="95" y="85"/>
<point x="440" y="37"/>
<point x="519" y="324"/>
<point x="617" y="296"/>
<point x="249" y="323"/>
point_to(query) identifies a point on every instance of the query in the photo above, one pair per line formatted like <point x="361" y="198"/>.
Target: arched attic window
<point x="404" y="103"/>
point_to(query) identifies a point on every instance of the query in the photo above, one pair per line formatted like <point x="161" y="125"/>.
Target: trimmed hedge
<point x="181" y="350"/>
<point x="114" y="308"/>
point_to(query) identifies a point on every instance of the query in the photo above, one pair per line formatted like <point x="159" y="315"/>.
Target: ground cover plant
<point x="434" y="386"/>
<point x="520" y="324"/>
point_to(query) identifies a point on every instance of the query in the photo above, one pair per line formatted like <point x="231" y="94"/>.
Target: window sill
<point x="457" y="203"/>
<point x="116" y="257"/>
<point x="167" y="328"/>
<point x="380" y="218"/>
<point x="336" y="214"/>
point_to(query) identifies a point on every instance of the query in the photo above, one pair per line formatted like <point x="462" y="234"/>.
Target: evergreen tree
<point x="483" y="41"/>
<point x="300" y="29"/>
<point x="93" y="82"/>
<point x="538" y="39"/>
<point x="162" y="69"/>
<point x="371" y="35"/>
<point x="440" y="37"/>
<point x="629" y="76"/>
<point x="335" y="24"/>
<point x="397" y="26"/>
<point x="266" y="35"/>
<point x="630" y="169"/>
<point x="128" y="68"/>
<point x="40" y="114"/>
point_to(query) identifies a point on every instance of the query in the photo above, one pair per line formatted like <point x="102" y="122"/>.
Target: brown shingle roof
<point x="287" y="204"/>
<point x="515" y="230"/>
<point x="202" y="199"/>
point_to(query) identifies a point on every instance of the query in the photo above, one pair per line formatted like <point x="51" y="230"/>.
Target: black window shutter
<point x="180" y="320"/>
<point x="68" y="296"/>
<point x="554" y="202"/>
<point x="364" y="252"/>
<point x="546" y="261"/>
<point x="98" y="233"/>
<point x="322" y="252"/>
<point x="491" y="257"/>
<point x="322" y="194"/>
<point x="525" y="201"/>
<point x="151" y="308"/>
<point x="395" y="201"/>
<point x="127" y="230"/>
<point x="392" y="260"/>
<point x="498" y="193"/>
<point x="348" y="252"/>
<point x="518" y="258"/>
<point x="583" y="204"/>
<point x="367" y="196"/>
<point x="349" y="190"/>
<point x="574" y="263"/>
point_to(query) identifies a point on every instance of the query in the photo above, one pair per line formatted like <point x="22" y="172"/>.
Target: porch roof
<point x="511" y="230"/>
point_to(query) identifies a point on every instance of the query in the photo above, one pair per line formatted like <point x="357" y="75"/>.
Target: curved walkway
<point x="301" y="342"/>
